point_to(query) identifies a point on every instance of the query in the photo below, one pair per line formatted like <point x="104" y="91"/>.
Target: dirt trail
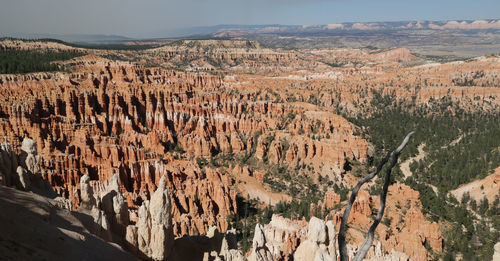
<point x="405" y="166"/>
<point x="454" y="142"/>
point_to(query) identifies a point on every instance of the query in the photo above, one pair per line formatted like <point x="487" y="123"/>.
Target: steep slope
<point x="488" y="187"/>
<point x="35" y="228"/>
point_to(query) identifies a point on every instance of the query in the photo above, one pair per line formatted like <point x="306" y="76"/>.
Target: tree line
<point x="26" y="61"/>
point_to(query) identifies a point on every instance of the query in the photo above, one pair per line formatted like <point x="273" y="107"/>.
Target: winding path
<point x="405" y="166"/>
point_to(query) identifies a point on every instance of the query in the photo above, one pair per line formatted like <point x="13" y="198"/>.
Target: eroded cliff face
<point x="238" y="119"/>
<point x="211" y="55"/>
<point x="286" y="239"/>
<point x="83" y="124"/>
<point x="110" y="118"/>
<point x="404" y="234"/>
<point x="405" y="229"/>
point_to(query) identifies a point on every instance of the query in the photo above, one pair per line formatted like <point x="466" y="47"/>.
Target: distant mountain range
<point x="234" y="30"/>
<point x="230" y="30"/>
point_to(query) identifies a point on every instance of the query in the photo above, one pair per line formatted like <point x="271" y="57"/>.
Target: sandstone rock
<point x="409" y="229"/>
<point x="31" y="161"/>
<point x="155" y="237"/>
<point x="317" y="231"/>
<point x="260" y="252"/>
<point x="63" y="203"/>
<point x="109" y="209"/>
<point x="227" y="254"/>
<point x="50" y="232"/>
<point x="8" y="164"/>
<point x="143" y="229"/>
<point x="317" y="245"/>
<point x="496" y="253"/>
<point x="261" y="150"/>
<point x="275" y="151"/>
<point x="246" y="171"/>
<point x="398" y="54"/>
<point x="259" y="175"/>
<point x="121" y="210"/>
<point x="332" y="239"/>
<point x="131" y="238"/>
<point x="283" y="236"/>
<point x="102" y="226"/>
<point x="24" y="178"/>
<point x="90" y="122"/>
<point x="212" y="231"/>
<point x="86" y="193"/>
<point x="331" y="199"/>
<point x="29" y="146"/>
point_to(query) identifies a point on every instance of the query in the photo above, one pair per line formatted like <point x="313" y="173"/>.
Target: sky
<point x="158" y="18"/>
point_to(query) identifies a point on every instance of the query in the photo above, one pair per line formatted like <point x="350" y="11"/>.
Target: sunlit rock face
<point x="114" y="138"/>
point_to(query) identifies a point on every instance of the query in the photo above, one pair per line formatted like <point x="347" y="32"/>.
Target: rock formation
<point x="161" y="223"/>
<point x="109" y="211"/>
<point x="284" y="239"/>
<point x="227" y="254"/>
<point x="320" y="242"/>
<point x="488" y="187"/>
<point x="153" y="235"/>
<point x="113" y="137"/>
<point x="24" y="170"/>
<point x="36" y="227"/>
<point x="407" y="231"/>
<point x="260" y="251"/>
<point x="8" y="164"/>
<point x="496" y="253"/>
<point x="116" y="117"/>
<point x="284" y="235"/>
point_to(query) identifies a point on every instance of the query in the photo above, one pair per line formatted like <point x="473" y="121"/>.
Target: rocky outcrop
<point x="396" y="55"/>
<point x="284" y="235"/>
<point x="88" y="200"/>
<point x="104" y="134"/>
<point x="330" y="200"/>
<point x="314" y="240"/>
<point x="13" y="44"/>
<point x="496" y="253"/>
<point x="406" y="229"/>
<point x="29" y="158"/>
<point x="260" y="251"/>
<point x="19" y="170"/>
<point x="153" y="234"/>
<point x="36" y="227"/>
<point x="8" y="164"/>
<point x="108" y="210"/>
<point x="320" y="242"/>
<point x="227" y="254"/>
<point x="24" y="170"/>
<point x="117" y="117"/>
<point x="228" y="54"/>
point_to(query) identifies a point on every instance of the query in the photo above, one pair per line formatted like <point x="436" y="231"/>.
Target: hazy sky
<point x="142" y="18"/>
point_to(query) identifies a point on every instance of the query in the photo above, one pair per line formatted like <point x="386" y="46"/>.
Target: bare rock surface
<point x="34" y="228"/>
<point x="260" y="251"/>
<point x="496" y="253"/>
<point x="317" y="246"/>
